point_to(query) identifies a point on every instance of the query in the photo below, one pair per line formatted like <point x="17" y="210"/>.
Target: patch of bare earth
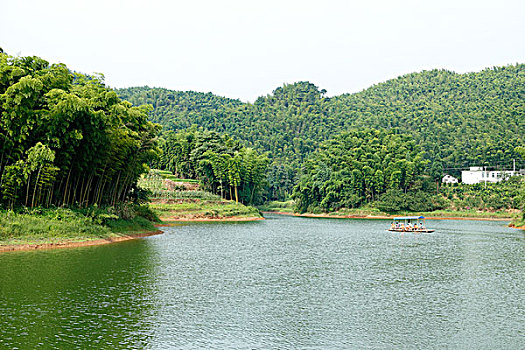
<point x="69" y="244"/>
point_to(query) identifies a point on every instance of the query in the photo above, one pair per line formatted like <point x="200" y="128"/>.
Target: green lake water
<point x="282" y="283"/>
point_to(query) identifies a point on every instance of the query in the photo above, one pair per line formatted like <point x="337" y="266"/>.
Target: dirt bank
<point x="168" y="220"/>
<point x="383" y="217"/>
<point x="518" y="227"/>
<point x="66" y="244"/>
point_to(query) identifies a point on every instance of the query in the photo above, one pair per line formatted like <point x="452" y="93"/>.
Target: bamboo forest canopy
<point x="459" y="120"/>
<point x="358" y="167"/>
<point x="67" y="139"/>
<point x="221" y="163"/>
<point x="177" y="110"/>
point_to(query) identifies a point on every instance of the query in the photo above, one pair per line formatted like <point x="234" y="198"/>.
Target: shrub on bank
<point x="396" y="200"/>
<point x="519" y="221"/>
<point x="63" y="223"/>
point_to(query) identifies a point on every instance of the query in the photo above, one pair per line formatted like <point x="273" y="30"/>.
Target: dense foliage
<point x="509" y="194"/>
<point x="221" y="164"/>
<point x="459" y="120"/>
<point x="359" y="167"/>
<point x="177" y="110"/>
<point x="67" y="139"/>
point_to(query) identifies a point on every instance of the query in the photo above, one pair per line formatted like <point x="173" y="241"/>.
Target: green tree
<point x="351" y="170"/>
<point x="221" y="164"/>
<point x="66" y="139"/>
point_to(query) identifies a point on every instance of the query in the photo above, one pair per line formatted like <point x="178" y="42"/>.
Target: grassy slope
<point x="59" y="225"/>
<point x="181" y="203"/>
<point x="65" y="225"/>
<point x="277" y="206"/>
<point x="519" y="221"/>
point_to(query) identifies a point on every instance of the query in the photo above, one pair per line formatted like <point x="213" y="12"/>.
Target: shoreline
<point x="73" y="244"/>
<point x="518" y="227"/>
<point x="119" y="237"/>
<point x="383" y="217"/>
<point x="169" y="221"/>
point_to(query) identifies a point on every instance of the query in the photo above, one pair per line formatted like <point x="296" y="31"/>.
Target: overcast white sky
<point x="245" y="49"/>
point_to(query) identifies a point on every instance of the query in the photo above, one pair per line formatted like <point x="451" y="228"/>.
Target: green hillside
<point x="461" y="119"/>
<point x="176" y="110"/>
<point x="458" y="120"/>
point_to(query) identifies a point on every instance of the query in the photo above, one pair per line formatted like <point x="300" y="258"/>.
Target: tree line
<point x="222" y="164"/>
<point x="67" y="139"/>
<point x="362" y="166"/>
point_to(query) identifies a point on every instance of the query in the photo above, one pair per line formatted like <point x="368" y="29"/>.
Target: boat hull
<point x="414" y="231"/>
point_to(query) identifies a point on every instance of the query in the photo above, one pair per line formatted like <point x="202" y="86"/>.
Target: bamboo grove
<point x="66" y="139"/>
<point x="221" y="164"/>
<point x="358" y="167"/>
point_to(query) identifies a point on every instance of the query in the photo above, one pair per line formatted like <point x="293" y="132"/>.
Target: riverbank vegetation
<point x="67" y="139"/>
<point x="519" y="220"/>
<point x="71" y="152"/>
<point x="363" y="166"/>
<point x="51" y="225"/>
<point x="201" y="210"/>
<point x="372" y="211"/>
<point x="181" y="200"/>
<point x="505" y="195"/>
<point x="278" y="206"/>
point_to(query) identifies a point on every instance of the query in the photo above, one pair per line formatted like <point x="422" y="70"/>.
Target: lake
<point x="282" y="283"/>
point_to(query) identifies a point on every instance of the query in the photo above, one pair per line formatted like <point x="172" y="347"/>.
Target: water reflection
<point x="92" y="297"/>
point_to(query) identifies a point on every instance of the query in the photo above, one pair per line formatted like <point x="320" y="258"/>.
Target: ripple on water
<point x="282" y="283"/>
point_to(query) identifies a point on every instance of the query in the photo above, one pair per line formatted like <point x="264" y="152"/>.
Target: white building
<point x="477" y="174"/>
<point x="449" y="179"/>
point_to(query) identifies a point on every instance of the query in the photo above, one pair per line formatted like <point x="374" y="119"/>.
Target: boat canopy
<point x="409" y="217"/>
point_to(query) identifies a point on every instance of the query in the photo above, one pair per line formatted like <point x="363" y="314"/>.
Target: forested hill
<point x="176" y="110"/>
<point x="458" y="119"/>
<point x="463" y="119"/>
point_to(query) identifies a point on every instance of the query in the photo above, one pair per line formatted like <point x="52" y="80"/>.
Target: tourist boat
<point x="409" y="224"/>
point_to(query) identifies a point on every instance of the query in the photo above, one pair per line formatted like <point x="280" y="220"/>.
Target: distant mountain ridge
<point x="458" y="119"/>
